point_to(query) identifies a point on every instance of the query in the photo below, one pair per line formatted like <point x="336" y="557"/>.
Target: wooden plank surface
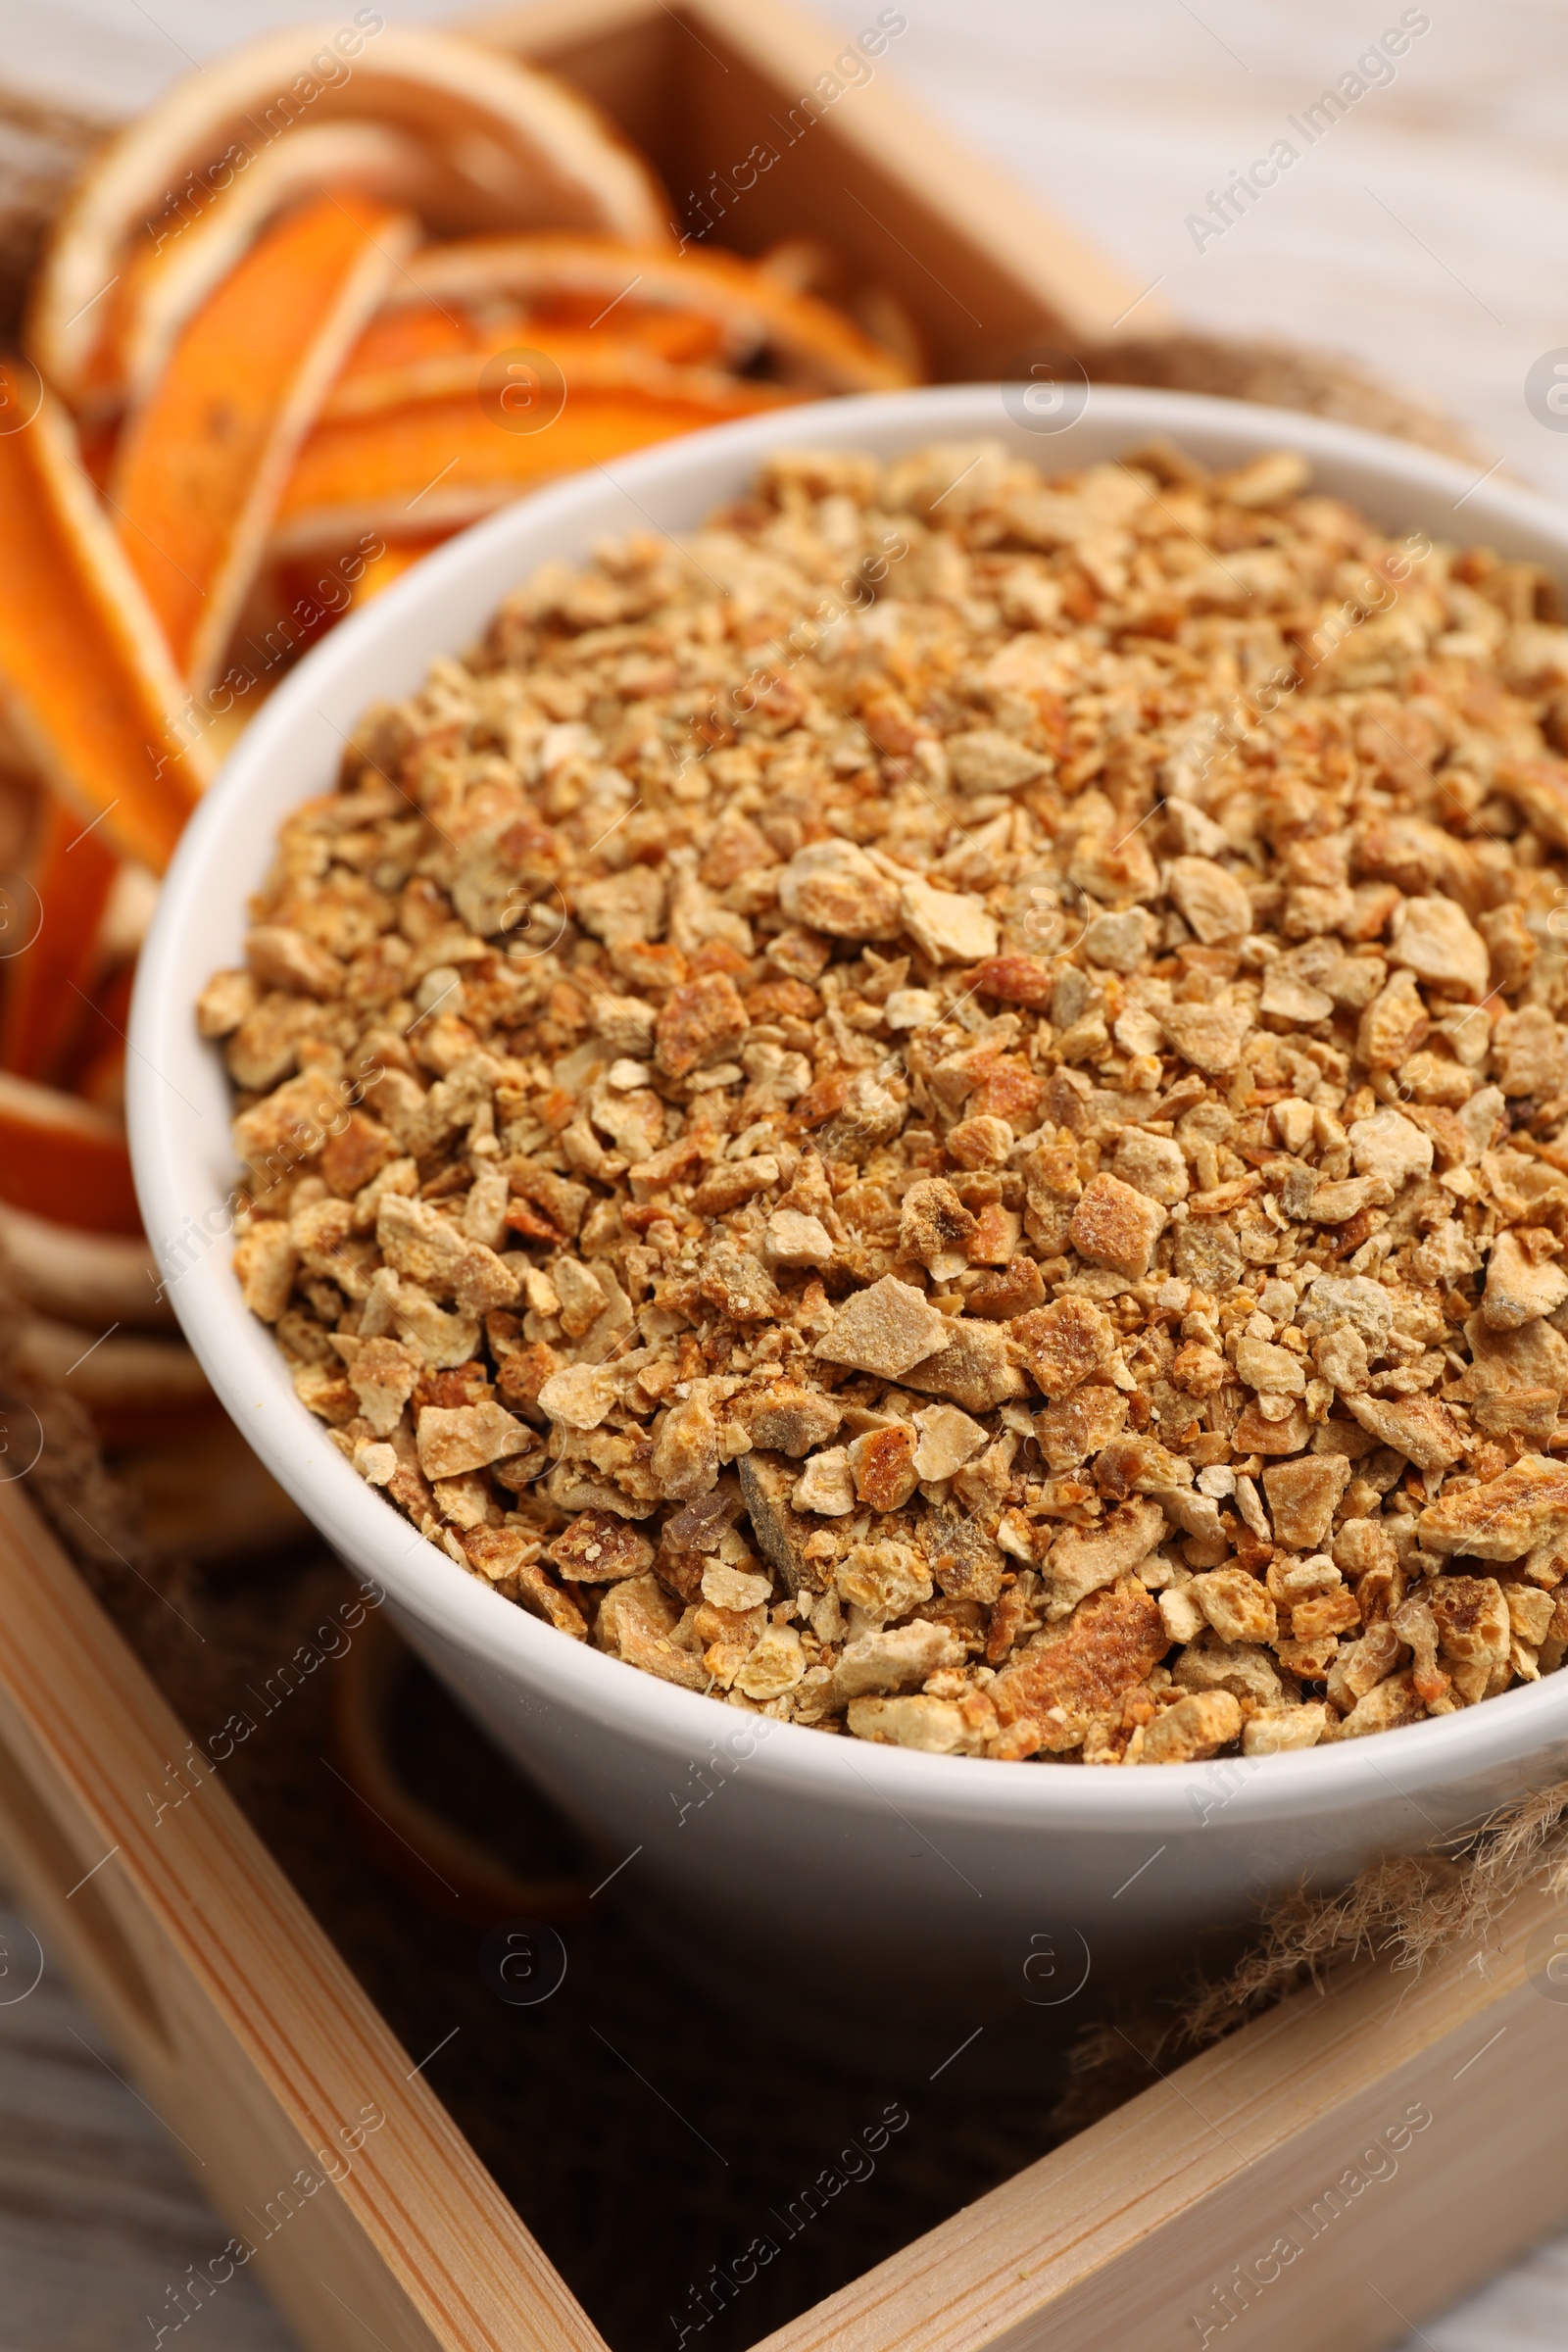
<point x="99" y="2217"/>
<point x="1422" y="233"/>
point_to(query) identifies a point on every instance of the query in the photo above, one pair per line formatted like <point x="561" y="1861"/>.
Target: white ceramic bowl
<point x="797" y="1852"/>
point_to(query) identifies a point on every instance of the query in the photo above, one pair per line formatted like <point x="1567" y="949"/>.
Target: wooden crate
<point x="1329" y="2177"/>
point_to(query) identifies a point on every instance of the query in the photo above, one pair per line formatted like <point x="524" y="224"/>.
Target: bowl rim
<point x="240" y="1356"/>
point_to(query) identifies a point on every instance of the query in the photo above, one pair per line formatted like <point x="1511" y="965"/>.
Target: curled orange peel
<point x="441" y="463"/>
<point x="507" y="143"/>
<point x="814" y="346"/>
<point x="588" y="362"/>
<point x="90" y="691"/>
<point x="169" y="274"/>
<point x="201" y="466"/>
<point x="64" y="1158"/>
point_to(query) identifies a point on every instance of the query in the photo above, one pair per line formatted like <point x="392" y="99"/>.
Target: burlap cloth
<point x="647" y="2206"/>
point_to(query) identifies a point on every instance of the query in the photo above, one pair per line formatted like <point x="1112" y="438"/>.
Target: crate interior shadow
<point x="694" y="2164"/>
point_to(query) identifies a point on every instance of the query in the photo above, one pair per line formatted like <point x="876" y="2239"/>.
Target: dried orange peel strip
<point x="63" y="1159"/>
<point x="589" y="362"/>
<point x="90" y="690"/>
<point x="169" y="272"/>
<point x="171" y="269"/>
<point x="80" y="1277"/>
<point x="136" y="1385"/>
<point x="202" y="465"/>
<point x="514" y="144"/>
<point x="389" y="566"/>
<point x="442" y="464"/>
<point x="96" y="1069"/>
<point x="47" y="987"/>
<point x="414" y="335"/>
<point x="686" y="338"/>
<point x="815" y="345"/>
<point x="410" y="332"/>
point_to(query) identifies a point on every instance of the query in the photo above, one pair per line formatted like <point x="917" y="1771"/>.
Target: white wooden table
<point x="99" y="2212"/>
<point x="1419" y="232"/>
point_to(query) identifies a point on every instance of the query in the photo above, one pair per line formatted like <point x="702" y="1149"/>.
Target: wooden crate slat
<point x="1114" y="2241"/>
<point x="979" y="263"/>
<point x="236" y="2016"/>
